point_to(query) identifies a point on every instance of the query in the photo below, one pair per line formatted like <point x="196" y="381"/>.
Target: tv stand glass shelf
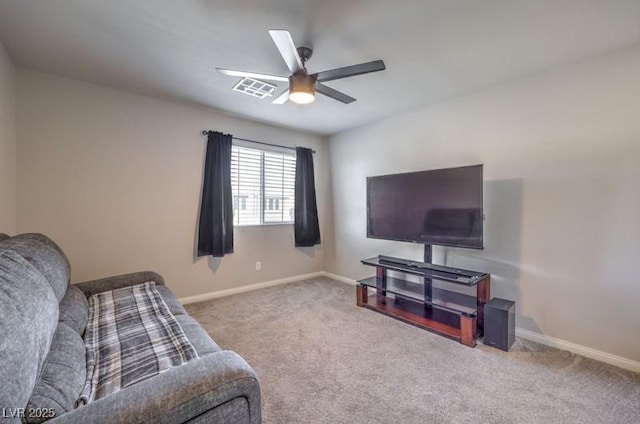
<point x="448" y="301"/>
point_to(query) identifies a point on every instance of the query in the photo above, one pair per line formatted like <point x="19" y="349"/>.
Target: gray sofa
<point x="42" y="352"/>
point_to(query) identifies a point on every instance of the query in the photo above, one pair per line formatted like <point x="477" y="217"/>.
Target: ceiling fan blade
<point x="350" y="71"/>
<point x="334" y="94"/>
<point x="254" y="75"/>
<point x="287" y="49"/>
<point x="281" y="98"/>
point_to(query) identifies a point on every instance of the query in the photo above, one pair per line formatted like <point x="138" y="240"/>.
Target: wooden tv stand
<point x="445" y="308"/>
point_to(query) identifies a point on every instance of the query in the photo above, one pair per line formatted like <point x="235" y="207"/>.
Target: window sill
<point x="271" y="224"/>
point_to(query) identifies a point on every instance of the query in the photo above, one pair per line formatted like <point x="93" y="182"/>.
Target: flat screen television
<point x="434" y="207"/>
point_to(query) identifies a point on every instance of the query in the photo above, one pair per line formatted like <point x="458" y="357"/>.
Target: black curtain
<point x="307" y="229"/>
<point x="215" y="230"/>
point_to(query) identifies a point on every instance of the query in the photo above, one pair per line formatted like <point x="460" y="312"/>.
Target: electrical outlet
<point x="258" y="266"/>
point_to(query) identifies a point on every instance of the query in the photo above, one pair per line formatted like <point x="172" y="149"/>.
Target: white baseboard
<point x="339" y="278"/>
<point x="588" y="352"/>
<point x="229" y="292"/>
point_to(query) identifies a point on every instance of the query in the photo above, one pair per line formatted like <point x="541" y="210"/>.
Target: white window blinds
<point x="262" y="183"/>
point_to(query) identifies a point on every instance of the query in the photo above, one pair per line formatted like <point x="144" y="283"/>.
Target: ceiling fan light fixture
<point x="301" y="97"/>
<point x="302" y="88"/>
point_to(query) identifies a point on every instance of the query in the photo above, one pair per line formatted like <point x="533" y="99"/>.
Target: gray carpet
<point x="321" y="359"/>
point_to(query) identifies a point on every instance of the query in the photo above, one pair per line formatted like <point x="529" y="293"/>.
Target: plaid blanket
<point x="130" y="336"/>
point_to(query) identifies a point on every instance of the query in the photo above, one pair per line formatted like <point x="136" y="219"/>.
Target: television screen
<point x="441" y="206"/>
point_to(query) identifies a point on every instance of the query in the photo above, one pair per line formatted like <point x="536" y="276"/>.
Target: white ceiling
<point x="433" y="49"/>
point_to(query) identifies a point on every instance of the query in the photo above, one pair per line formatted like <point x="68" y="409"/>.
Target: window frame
<point x="263" y="195"/>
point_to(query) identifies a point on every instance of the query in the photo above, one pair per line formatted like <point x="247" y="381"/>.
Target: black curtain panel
<point x="215" y="230"/>
<point x="307" y="229"/>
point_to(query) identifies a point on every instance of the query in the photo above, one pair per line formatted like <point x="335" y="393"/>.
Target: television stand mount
<point x="444" y="310"/>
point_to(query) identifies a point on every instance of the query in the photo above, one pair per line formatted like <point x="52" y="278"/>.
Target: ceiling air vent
<point x="255" y="88"/>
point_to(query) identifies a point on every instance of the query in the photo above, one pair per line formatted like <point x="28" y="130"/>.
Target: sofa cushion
<point x="63" y="374"/>
<point x="199" y="338"/>
<point x="74" y="309"/>
<point x="46" y="256"/>
<point x="28" y="319"/>
<point x="131" y="336"/>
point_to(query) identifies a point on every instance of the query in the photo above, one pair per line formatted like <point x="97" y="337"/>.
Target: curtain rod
<point x="206" y="132"/>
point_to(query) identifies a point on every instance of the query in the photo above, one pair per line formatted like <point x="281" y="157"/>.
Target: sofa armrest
<point x="177" y="395"/>
<point x="89" y="288"/>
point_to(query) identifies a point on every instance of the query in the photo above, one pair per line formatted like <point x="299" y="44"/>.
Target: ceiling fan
<point x="302" y="85"/>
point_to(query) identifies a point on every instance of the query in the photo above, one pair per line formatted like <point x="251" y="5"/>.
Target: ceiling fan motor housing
<point x="302" y="87"/>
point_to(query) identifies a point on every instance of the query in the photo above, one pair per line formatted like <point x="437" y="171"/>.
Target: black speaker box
<point x="500" y="323"/>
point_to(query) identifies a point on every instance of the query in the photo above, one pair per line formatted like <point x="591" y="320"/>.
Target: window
<point x="239" y="202"/>
<point x="262" y="182"/>
<point x="273" y="203"/>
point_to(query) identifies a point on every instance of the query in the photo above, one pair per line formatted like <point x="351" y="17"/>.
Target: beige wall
<point x="115" y="179"/>
<point x="7" y="144"/>
<point x="561" y="151"/>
